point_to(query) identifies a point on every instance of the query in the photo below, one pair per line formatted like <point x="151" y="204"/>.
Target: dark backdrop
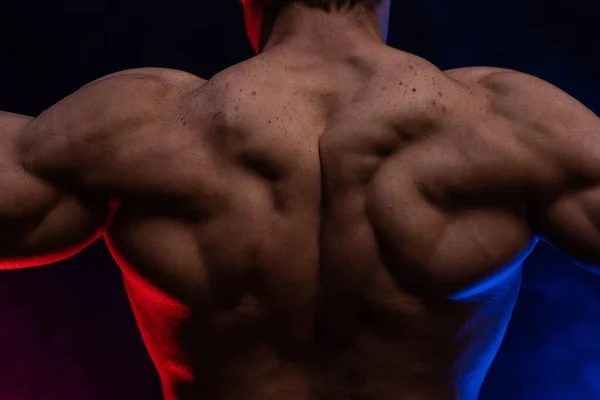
<point x="67" y="332"/>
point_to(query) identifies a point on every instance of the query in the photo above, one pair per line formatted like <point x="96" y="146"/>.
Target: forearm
<point x="11" y="125"/>
<point x="14" y="181"/>
<point x="24" y="200"/>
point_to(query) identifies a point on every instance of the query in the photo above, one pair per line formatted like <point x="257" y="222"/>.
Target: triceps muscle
<point x="39" y="224"/>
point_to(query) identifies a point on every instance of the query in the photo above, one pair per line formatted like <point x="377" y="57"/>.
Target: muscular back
<point x="317" y="223"/>
<point x="308" y="230"/>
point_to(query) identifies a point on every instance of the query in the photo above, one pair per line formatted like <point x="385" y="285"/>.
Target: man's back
<point x="326" y="231"/>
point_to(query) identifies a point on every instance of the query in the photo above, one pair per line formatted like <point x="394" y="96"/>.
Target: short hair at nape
<point x="325" y="4"/>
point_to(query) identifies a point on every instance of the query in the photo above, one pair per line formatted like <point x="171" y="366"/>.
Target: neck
<point x="321" y="33"/>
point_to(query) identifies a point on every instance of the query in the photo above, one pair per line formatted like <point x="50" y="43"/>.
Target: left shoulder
<point x="89" y="131"/>
<point x="166" y="75"/>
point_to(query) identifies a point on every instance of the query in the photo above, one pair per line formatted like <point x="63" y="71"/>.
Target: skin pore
<point x="304" y="27"/>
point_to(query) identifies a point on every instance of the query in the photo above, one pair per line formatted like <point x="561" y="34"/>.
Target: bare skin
<point x="319" y="222"/>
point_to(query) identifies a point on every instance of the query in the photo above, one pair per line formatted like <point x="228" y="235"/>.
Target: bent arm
<point x="58" y="171"/>
<point x="563" y="205"/>
<point x="39" y="223"/>
<point x="567" y="214"/>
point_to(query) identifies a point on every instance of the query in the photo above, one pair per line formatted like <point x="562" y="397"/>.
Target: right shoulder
<point x="555" y="127"/>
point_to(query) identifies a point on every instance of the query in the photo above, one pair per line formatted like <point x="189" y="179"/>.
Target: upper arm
<point x="563" y="204"/>
<point x="51" y="207"/>
<point x="39" y="224"/>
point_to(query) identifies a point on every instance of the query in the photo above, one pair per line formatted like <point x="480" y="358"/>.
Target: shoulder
<point x="527" y="99"/>
<point x="507" y="83"/>
<point x="166" y="75"/>
<point x="485" y="75"/>
<point x="139" y="92"/>
<point x="86" y="129"/>
<point x="503" y="81"/>
<point x="554" y="125"/>
<point x="474" y="74"/>
<point x="131" y="88"/>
